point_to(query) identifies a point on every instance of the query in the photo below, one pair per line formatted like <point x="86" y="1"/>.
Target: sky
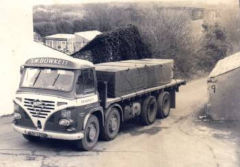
<point x="89" y="1"/>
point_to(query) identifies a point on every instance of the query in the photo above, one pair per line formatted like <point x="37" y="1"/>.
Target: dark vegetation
<point x="163" y="31"/>
<point x="215" y="46"/>
<point x="119" y="44"/>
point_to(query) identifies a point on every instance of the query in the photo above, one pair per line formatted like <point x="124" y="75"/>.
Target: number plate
<point x="38" y="134"/>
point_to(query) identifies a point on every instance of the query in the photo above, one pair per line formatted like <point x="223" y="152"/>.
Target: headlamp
<point x="65" y="122"/>
<point x="17" y="116"/>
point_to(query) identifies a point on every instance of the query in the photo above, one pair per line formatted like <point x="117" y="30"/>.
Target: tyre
<point x="31" y="138"/>
<point x="163" y="102"/>
<point x="149" y="110"/>
<point x="112" y="125"/>
<point x="91" y="134"/>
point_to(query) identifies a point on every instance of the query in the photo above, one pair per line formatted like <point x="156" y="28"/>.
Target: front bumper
<point x="48" y="134"/>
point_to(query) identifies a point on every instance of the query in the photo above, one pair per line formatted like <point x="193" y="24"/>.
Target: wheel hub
<point x="92" y="132"/>
<point x="113" y="123"/>
<point x="151" y="113"/>
<point x="166" y="106"/>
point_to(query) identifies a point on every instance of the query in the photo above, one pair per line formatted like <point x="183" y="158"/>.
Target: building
<point x="82" y="38"/>
<point x="197" y="13"/>
<point x="61" y="42"/>
<point x="210" y="15"/>
<point x="37" y="37"/>
<point x="70" y="43"/>
<point x="224" y="89"/>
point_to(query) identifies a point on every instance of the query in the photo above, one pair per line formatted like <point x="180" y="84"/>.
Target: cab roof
<point x="46" y="57"/>
<point x="53" y="62"/>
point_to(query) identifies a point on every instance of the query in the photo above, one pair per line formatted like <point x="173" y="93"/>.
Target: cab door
<point x="86" y="92"/>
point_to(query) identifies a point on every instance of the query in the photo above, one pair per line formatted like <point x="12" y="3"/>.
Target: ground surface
<point x="181" y="140"/>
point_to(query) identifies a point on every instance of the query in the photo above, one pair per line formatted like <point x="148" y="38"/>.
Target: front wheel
<point x="91" y="134"/>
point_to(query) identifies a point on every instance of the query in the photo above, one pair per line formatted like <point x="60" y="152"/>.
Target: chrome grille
<point x="39" y="108"/>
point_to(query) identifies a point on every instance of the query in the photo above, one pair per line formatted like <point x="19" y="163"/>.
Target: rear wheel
<point x="149" y="110"/>
<point x="163" y="105"/>
<point x="31" y="138"/>
<point x="112" y="124"/>
<point x="91" y="134"/>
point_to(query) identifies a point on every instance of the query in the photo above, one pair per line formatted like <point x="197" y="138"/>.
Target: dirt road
<point x="181" y="140"/>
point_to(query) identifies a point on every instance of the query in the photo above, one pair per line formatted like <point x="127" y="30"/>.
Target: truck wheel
<point x="31" y="138"/>
<point x="91" y="134"/>
<point x="163" y="105"/>
<point x="112" y="125"/>
<point x="149" y="110"/>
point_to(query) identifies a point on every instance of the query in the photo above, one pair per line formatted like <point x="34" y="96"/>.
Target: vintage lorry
<point x="73" y="99"/>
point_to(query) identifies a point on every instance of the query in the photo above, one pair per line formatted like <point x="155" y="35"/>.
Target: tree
<point x="45" y="28"/>
<point x="215" y="46"/>
<point x="64" y="26"/>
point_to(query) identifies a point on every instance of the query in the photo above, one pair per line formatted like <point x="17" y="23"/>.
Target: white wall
<point x="15" y="36"/>
<point x="80" y="42"/>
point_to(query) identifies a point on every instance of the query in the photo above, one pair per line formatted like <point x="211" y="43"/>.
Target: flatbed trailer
<point x="133" y="104"/>
<point x="172" y="86"/>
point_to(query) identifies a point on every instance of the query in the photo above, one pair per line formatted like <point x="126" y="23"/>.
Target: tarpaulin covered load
<point x="126" y="77"/>
<point x="164" y="68"/>
<point x="224" y="89"/>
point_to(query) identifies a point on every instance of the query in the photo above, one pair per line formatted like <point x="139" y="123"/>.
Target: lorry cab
<point x="55" y="98"/>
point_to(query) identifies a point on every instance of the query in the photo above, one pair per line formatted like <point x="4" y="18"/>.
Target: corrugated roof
<point x="66" y="36"/>
<point x="89" y="35"/>
<point x="226" y="65"/>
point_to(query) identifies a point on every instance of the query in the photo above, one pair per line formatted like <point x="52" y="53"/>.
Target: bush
<point x="230" y="21"/>
<point x="215" y="46"/>
<point x="167" y="32"/>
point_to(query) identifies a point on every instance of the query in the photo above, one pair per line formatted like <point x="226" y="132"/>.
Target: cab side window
<point x="85" y="83"/>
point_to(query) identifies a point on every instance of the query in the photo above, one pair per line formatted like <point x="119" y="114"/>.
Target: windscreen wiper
<point x="55" y="79"/>
<point x="37" y="78"/>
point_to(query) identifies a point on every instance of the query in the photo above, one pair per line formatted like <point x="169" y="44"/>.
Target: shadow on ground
<point x="230" y="129"/>
<point x="133" y="127"/>
<point x="202" y="118"/>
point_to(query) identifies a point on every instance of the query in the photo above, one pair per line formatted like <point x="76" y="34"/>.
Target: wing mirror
<point x="21" y="69"/>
